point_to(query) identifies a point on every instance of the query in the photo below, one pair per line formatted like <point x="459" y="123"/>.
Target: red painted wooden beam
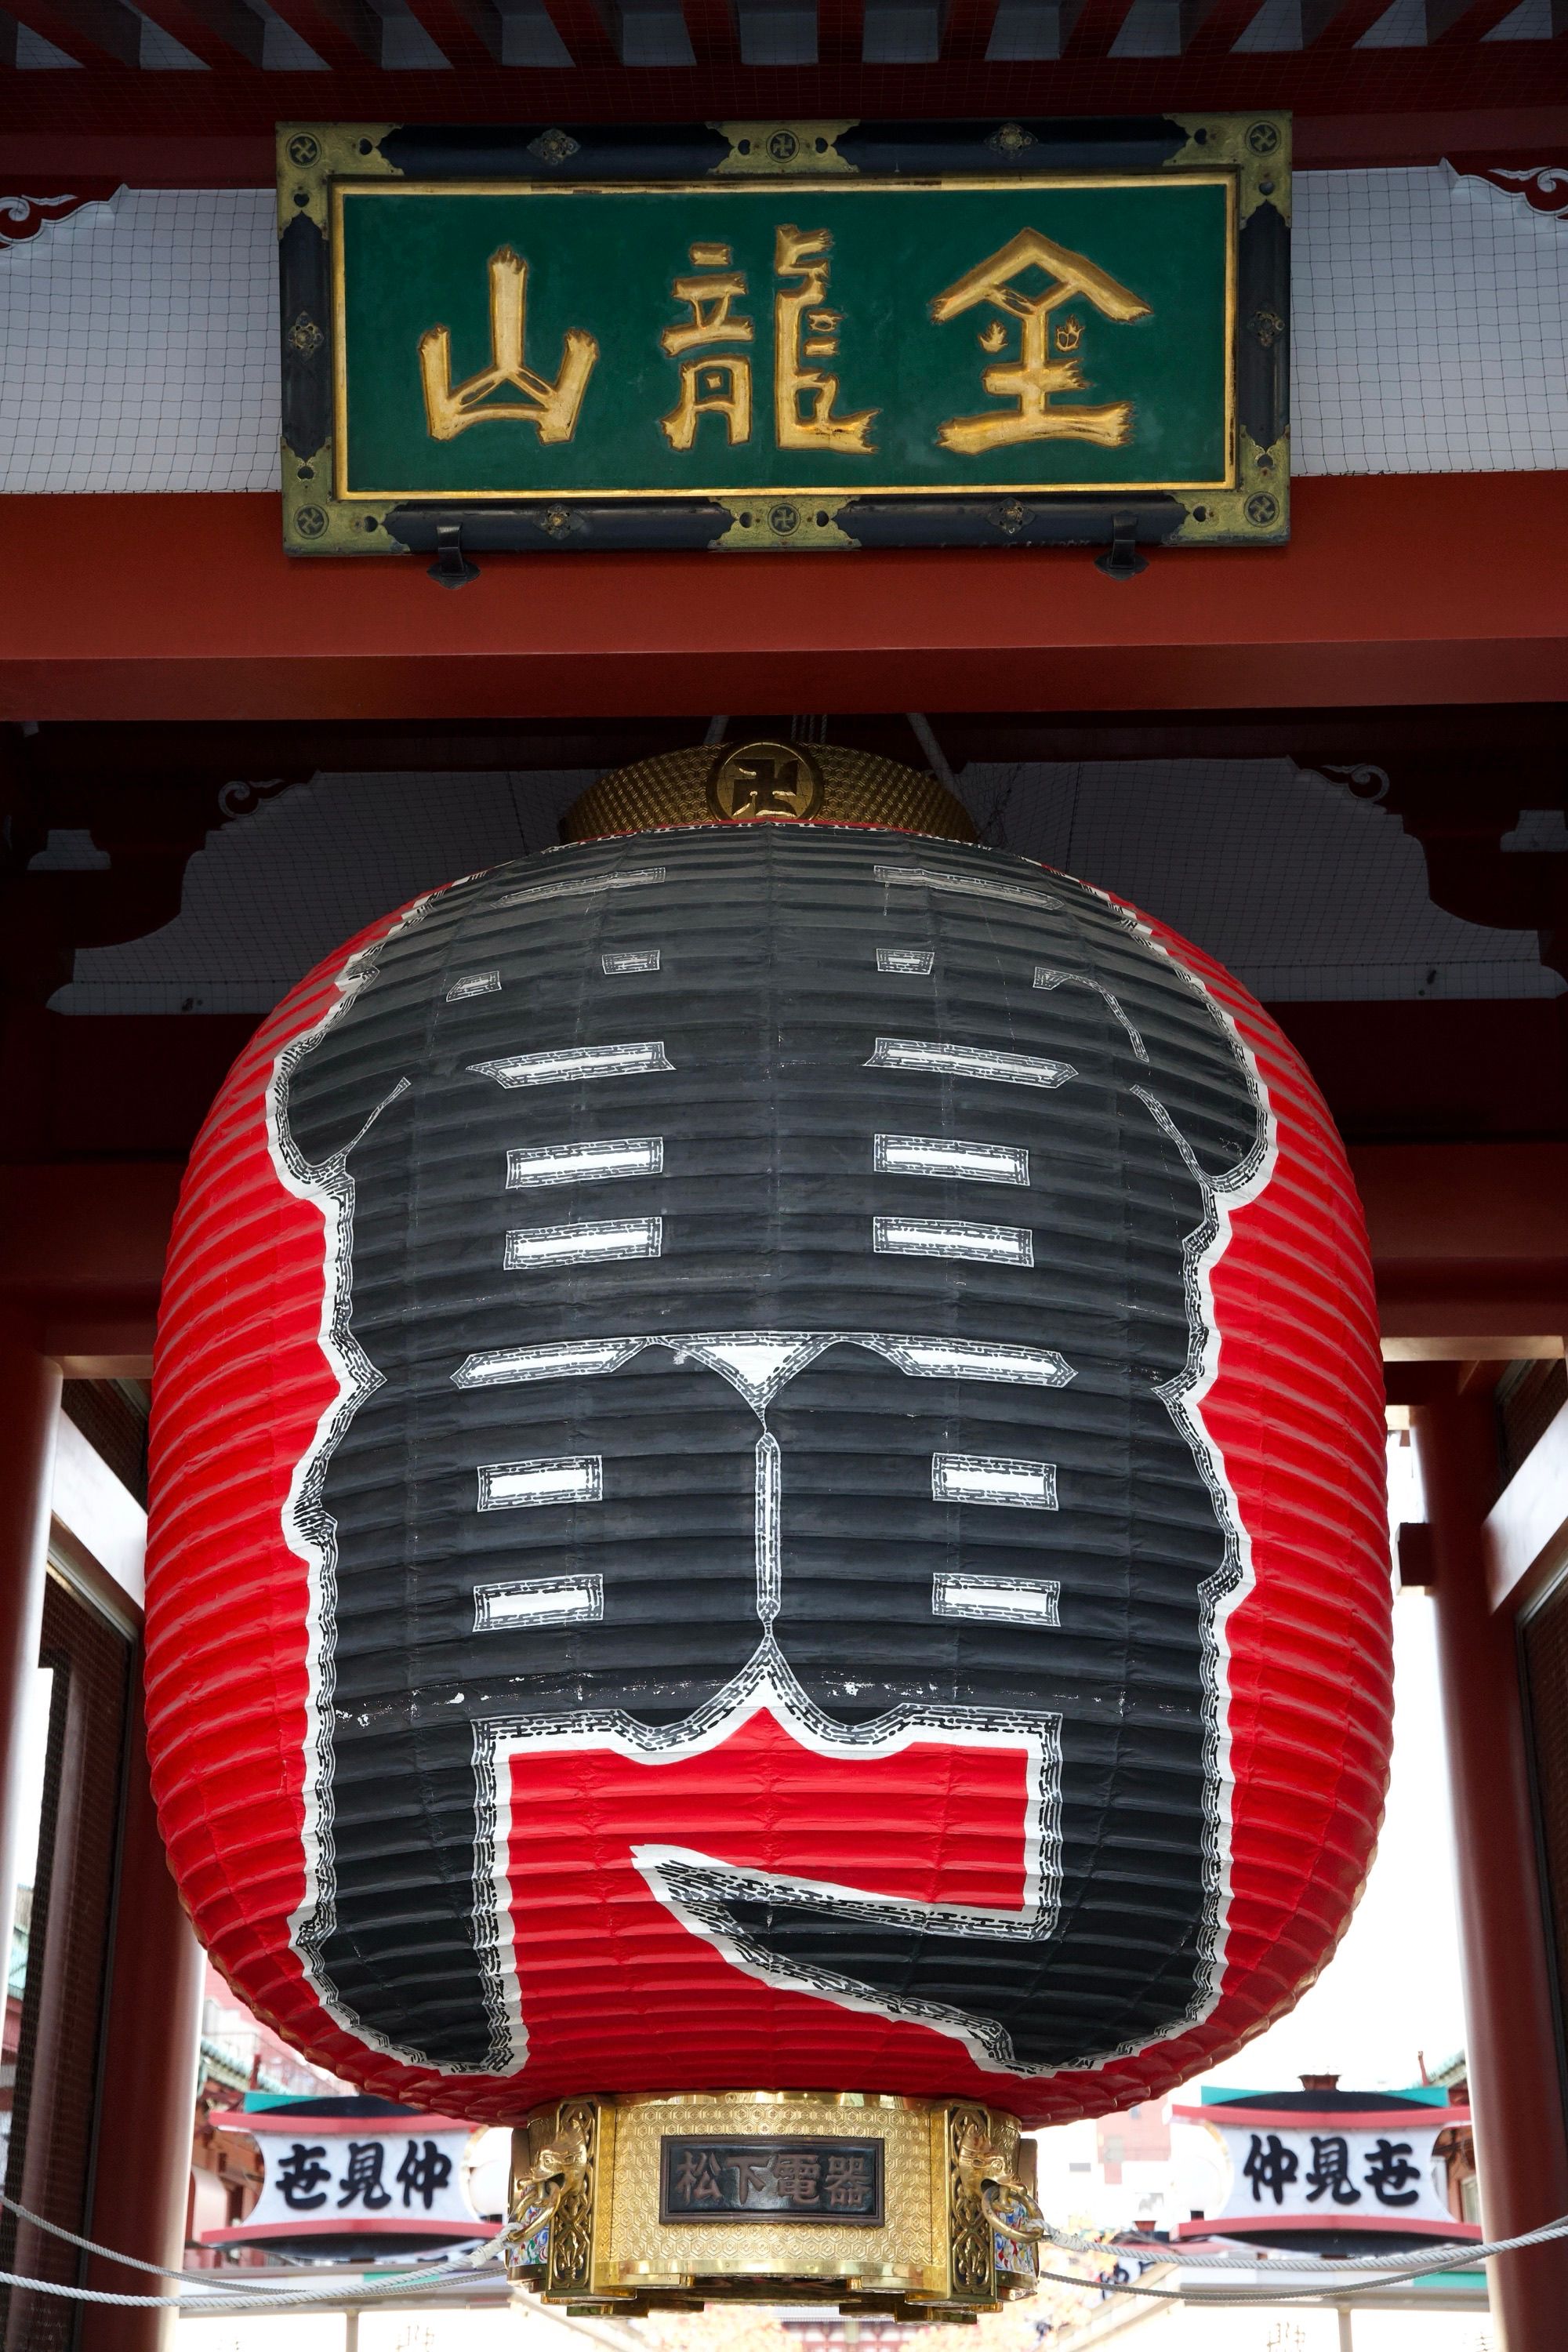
<point x="81" y="1239"/>
<point x="1469" y="1242"/>
<point x="1467" y="1205"/>
<point x="1396" y="589"/>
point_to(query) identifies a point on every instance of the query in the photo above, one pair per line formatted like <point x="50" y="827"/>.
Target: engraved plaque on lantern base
<point x="770" y="2196"/>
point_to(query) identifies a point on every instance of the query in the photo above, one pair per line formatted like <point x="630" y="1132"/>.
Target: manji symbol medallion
<point x="765" y="779"/>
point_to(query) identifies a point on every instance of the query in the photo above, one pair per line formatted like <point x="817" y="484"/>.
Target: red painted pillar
<point x="29" y="1410"/>
<point x="29" y="1401"/>
<point x="1521" y="2141"/>
<point x="147" y="2102"/>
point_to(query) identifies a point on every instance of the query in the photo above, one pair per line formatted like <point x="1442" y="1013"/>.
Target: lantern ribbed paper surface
<point x="768" y="1471"/>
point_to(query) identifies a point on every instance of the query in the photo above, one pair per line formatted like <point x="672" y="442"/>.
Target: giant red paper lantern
<point x="767" y="1471"/>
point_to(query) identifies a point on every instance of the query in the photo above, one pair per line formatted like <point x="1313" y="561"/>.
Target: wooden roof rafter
<point x="346" y="34"/>
<point x="467" y="32"/>
<point x="96" y="33"/>
<point x="222" y="33"/>
<point x="1028" y="49"/>
<point x="1090" y="27"/>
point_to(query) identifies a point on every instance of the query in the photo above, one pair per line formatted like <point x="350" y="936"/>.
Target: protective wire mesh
<point x="1431" y="326"/>
<point x="1302" y="889"/>
<point x="138" y="347"/>
<point x="138" y="341"/>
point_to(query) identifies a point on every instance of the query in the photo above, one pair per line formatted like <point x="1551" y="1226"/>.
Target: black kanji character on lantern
<point x="1329" y="2172"/>
<point x="1270" y="2166"/>
<point x="362" y="2177"/>
<point x="446" y="1109"/>
<point x="299" y="2177"/>
<point x="1388" y="2170"/>
<point x="423" y="2171"/>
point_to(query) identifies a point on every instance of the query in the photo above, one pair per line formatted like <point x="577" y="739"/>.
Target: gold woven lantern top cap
<point x="766" y="783"/>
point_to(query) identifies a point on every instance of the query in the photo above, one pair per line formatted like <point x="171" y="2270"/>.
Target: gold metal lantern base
<point x="916" y="2207"/>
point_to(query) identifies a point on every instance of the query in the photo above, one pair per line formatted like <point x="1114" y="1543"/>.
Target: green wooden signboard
<point x="826" y="353"/>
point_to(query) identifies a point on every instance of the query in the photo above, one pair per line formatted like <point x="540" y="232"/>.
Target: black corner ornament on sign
<point x="786" y="336"/>
<point x="707" y="2178"/>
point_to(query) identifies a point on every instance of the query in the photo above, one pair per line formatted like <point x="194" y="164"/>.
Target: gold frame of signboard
<point x="319" y="165"/>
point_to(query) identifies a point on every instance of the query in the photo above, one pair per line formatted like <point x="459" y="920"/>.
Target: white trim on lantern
<point x="538" y="1602"/>
<point x="935" y="1155"/>
<point x="972" y="885"/>
<point x="583" y="1163"/>
<point x="757" y="1361"/>
<point x="585" y="1245"/>
<point x="552" y="1359"/>
<point x="969" y="1062"/>
<point x="567" y="1062"/>
<point x="1048" y="977"/>
<point x="993" y="1478"/>
<point x="998" y="1600"/>
<point x="547" y="1478"/>
<point x="589" y="886"/>
<point x="951" y="1237"/>
<point x="1183" y="1396"/>
<point x="695" y="1888"/>
<point x="974" y="1359"/>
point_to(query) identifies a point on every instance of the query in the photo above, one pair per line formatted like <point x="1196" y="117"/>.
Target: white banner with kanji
<point x="349" y="2176"/>
<point x="1338" y="2170"/>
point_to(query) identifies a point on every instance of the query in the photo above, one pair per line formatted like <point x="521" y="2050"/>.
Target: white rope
<point x="1267" y="2297"/>
<point x="237" y="2293"/>
<point x="477" y="2255"/>
<point x="262" y="2299"/>
<point x="91" y="2246"/>
<point x="1388" y="2270"/>
<point x="1452" y="2253"/>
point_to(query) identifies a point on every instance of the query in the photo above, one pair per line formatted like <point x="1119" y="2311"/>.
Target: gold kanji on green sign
<point x="1035" y="379"/>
